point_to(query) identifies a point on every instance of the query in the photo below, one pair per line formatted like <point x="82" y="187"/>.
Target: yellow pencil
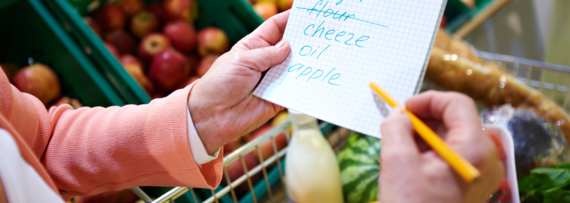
<point x="467" y="171"/>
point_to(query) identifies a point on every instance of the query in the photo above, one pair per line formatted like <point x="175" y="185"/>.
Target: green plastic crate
<point x="31" y="34"/>
<point x="235" y="17"/>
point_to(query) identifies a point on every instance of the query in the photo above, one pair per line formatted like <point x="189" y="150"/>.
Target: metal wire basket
<point x="552" y="80"/>
<point x="335" y="137"/>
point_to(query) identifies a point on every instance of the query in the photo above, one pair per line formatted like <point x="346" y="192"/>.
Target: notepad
<point x="338" y="47"/>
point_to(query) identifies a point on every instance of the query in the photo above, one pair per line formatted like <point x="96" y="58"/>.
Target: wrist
<point x="208" y="136"/>
<point x="203" y="123"/>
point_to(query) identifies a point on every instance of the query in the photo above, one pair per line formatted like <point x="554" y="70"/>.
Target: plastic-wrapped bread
<point x="490" y="84"/>
<point x="456" y="46"/>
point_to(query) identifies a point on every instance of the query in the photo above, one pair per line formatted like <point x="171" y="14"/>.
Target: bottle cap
<point x="299" y="117"/>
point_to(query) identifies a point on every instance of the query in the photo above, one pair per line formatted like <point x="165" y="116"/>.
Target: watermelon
<point x="359" y="161"/>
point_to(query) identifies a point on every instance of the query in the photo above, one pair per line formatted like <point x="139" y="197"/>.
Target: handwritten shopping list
<point x="339" y="46"/>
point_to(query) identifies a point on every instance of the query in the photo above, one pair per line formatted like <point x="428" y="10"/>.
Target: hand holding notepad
<point x="338" y="47"/>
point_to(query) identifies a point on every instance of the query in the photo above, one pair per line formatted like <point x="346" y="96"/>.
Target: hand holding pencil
<point x="415" y="172"/>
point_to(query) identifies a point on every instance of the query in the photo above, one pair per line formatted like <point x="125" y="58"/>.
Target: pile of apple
<point x="158" y="45"/>
<point x="267" y="8"/>
<point x="38" y="80"/>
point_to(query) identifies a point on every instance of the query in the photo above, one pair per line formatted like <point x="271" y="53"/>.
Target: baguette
<point x="490" y="84"/>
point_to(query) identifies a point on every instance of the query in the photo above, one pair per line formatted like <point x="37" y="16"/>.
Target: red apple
<point x="158" y="95"/>
<point x="187" y="82"/>
<point x="284" y="4"/>
<point x="469" y="3"/>
<point x="110" y="17"/>
<point x="131" y="7"/>
<point x="40" y="81"/>
<point x="112" y="49"/>
<point x="232" y="146"/>
<point x="235" y="170"/>
<point x="9" y="69"/>
<point x="151" y="45"/>
<point x="193" y="60"/>
<point x="144" y="23"/>
<point x="137" y="74"/>
<point x="205" y="64"/>
<point x="134" y="67"/>
<point x="61" y="101"/>
<point x="93" y="24"/>
<point x="267" y="147"/>
<point x="109" y="197"/>
<point x="128" y="59"/>
<point x="265" y="10"/>
<point x="149" y="88"/>
<point x="74" y="103"/>
<point x="186" y="10"/>
<point x="122" y="40"/>
<point x="168" y="69"/>
<point x="212" y="40"/>
<point x="182" y="35"/>
<point x="158" y="10"/>
<point x="281" y="118"/>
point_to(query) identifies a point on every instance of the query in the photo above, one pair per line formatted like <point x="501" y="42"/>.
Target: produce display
<point x="546" y="185"/>
<point x="161" y="40"/>
<point x="158" y="45"/>
<point x="454" y="66"/>
<point x="360" y="168"/>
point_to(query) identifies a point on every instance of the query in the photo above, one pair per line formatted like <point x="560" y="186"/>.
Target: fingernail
<point x="281" y="43"/>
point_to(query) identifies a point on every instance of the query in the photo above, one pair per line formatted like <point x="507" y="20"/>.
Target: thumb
<point x="398" y="137"/>
<point x="266" y="57"/>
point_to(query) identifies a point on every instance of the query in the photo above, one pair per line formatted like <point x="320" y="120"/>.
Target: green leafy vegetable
<point x="546" y="185"/>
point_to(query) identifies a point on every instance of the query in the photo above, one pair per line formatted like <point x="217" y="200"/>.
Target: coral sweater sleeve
<point x="92" y="150"/>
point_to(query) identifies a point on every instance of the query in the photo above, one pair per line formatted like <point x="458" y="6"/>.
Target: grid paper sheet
<point x="339" y="46"/>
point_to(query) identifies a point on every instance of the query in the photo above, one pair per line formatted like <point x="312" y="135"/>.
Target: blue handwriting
<point x="318" y="73"/>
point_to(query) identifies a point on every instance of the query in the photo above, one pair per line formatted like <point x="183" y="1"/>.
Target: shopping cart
<point x="335" y="136"/>
<point x="552" y="80"/>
